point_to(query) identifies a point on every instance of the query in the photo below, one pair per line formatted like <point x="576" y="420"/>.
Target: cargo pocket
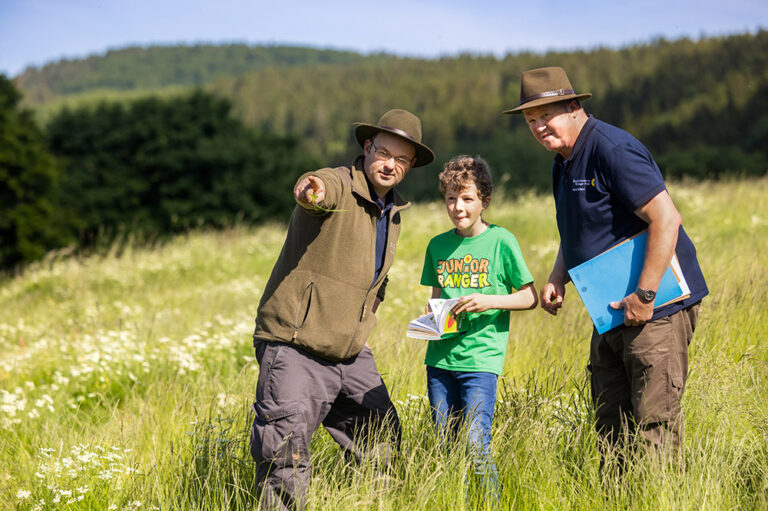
<point x="675" y="396"/>
<point x="658" y="391"/>
<point x="277" y="435"/>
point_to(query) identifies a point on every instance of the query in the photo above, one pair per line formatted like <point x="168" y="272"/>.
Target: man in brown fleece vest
<point x="317" y="312"/>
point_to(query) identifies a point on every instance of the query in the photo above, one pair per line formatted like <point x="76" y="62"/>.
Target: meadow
<point x="126" y="378"/>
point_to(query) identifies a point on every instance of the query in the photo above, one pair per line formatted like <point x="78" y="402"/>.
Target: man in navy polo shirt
<point x="608" y="188"/>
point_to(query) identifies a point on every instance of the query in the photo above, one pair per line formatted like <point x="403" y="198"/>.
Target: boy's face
<point x="465" y="208"/>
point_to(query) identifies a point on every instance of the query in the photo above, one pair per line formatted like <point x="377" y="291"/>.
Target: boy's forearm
<point x="523" y="299"/>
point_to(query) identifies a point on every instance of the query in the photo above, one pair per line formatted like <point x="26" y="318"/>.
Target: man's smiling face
<point x="553" y="125"/>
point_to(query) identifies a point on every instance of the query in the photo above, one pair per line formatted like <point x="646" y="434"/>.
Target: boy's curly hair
<point x="461" y="171"/>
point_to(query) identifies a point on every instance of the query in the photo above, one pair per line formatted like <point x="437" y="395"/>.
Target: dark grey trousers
<point x="638" y="378"/>
<point x="297" y="392"/>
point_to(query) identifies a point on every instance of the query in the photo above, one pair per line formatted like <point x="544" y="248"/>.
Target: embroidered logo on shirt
<point x="580" y="185"/>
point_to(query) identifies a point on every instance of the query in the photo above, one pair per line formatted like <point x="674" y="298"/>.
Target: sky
<point x="37" y="32"/>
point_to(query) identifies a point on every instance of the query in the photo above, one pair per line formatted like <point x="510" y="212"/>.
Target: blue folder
<point x="612" y="275"/>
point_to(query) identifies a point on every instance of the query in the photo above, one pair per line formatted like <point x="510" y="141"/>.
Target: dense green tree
<point x="29" y="220"/>
<point x="162" y="165"/>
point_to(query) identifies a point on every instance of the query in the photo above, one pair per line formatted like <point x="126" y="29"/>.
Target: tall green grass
<point x="126" y="378"/>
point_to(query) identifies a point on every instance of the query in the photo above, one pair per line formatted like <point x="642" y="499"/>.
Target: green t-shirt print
<point x="489" y="263"/>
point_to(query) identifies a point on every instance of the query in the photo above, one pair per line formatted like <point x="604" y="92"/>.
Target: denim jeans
<point x="459" y="397"/>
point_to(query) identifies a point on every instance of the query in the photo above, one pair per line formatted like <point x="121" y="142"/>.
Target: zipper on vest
<point x="374" y="220"/>
<point x="392" y="213"/>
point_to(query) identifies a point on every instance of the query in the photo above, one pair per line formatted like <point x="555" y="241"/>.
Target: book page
<point x="438" y="322"/>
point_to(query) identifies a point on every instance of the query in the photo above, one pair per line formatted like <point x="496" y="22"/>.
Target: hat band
<point x="399" y="132"/>
<point x="548" y="94"/>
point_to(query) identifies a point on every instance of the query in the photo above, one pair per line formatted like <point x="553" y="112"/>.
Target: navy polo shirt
<point x="607" y="177"/>
<point x="382" y="226"/>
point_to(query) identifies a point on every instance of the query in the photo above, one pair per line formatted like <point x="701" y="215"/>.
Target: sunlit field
<point x="126" y="378"/>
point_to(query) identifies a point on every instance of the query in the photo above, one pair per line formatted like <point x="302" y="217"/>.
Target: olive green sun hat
<point x="401" y="123"/>
<point x="544" y="85"/>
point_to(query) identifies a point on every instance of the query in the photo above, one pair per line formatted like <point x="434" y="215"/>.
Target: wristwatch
<point x="645" y="295"/>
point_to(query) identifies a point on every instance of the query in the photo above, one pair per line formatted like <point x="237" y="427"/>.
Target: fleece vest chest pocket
<point x="302" y="311"/>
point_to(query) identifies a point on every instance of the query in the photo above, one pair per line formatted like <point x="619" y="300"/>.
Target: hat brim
<point x="545" y="101"/>
<point x="424" y="155"/>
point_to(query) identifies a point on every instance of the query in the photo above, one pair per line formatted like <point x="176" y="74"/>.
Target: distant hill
<point x="700" y="106"/>
<point x="137" y="68"/>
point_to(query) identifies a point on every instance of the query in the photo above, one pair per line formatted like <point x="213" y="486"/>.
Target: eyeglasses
<point x="382" y="154"/>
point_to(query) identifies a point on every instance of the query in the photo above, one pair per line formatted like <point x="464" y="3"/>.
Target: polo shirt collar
<point x="580" y="140"/>
<point x="384" y="204"/>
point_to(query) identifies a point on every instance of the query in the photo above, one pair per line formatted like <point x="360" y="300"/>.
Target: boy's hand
<point x="476" y="302"/>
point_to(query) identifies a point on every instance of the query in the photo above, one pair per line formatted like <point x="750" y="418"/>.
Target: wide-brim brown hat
<point x="401" y="123"/>
<point x="545" y="85"/>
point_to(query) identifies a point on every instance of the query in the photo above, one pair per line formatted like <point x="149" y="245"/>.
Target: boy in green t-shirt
<point x="483" y="264"/>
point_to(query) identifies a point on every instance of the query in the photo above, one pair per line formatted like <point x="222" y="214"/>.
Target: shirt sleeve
<point x="428" y="271"/>
<point x="516" y="272"/>
<point x="633" y="176"/>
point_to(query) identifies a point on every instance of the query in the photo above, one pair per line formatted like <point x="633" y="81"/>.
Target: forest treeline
<point x="117" y="120"/>
<point x="136" y="67"/>
<point x="700" y="106"/>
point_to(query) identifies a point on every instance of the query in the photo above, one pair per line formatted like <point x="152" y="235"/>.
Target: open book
<point x="612" y="275"/>
<point x="440" y="323"/>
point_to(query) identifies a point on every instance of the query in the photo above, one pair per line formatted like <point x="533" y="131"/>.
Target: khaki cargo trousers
<point x="638" y="376"/>
<point x="295" y="393"/>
